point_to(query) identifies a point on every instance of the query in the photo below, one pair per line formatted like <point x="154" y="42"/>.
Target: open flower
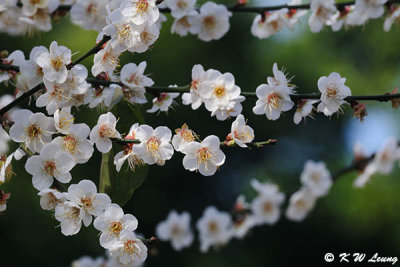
<point x="54" y="63"/>
<point x="129" y="250"/>
<point x="322" y="11"/>
<point x="176" y="228"/>
<point x="269" y="24"/>
<point x="183" y="136"/>
<point x="103" y="131"/>
<point x="205" y="156"/>
<point x="129" y="152"/>
<point x="162" y="102"/>
<point x="333" y="91"/>
<point x="154" y="146"/>
<point x="32" y="70"/>
<point x="303" y="110"/>
<point x="32" y="129"/>
<point x="63" y="120"/>
<point x="240" y="132"/>
<point x="212" y="23"/>
<point x="50" y="198"/>
<point x="112" y="222"/>
<point x="266" y="206"/>
<point x="300" y="204"/>
<point x="214" y="228"/>
<point x="84" y="194"/>
<point x="76" y="144"/>
<point x="140" y="11"/>
<point x="135" y="82"/>
<point x="70" y="217"/>
<point x="50" y="163"/>
<point x="316" y="177"/>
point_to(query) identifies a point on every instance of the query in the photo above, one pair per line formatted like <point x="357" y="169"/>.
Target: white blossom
<point x="240" y="132"/>
<point x="106" y="60"/>
<point x="31" y="70"/>
<point x="50" y="198"/>
<point x="303" y="109"/>
<point x="86" y="261"/>
<point x="111" y="224"/>
<point x="5" y="168"/>
<point x="129" y="250"/>
<point x="176" y="228"/>
<point x="316" y="177"/>
<point x="32" y="129"/>
<point x="185" y="24"/>
<point x="155" y="144"/>
<point x="50" y="163"/>
<point x="135" y="82"/>
<point x="180" y="8"/>
<point x="54" y="63"/>
<point x="393" y="17"/>
<point x="266" y="206"/>
<point x="129" y="152"/>
<point x="162" y="102"/>
<point x="321" y="10"/>
<point x="212" y="23"/>
<point x="300" y="204"/>
<point x="140" y="11"/>
<point x="89" y="14"/>
<point x="70" y="216"/>
<point x="205" y="156"/>
<point x="183" y="136"/>
<point x="103" y="131"/>
<point x="76" y="144"/>
<point x="269" y="24"/>
<point x="333" y="91"/>
<point x="84" y="194"/>
<point x="214" y="228"/>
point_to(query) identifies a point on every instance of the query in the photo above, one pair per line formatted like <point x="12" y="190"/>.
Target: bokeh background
<point x="347" y="220"/>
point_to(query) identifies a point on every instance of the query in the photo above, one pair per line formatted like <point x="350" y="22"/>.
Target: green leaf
<point x="121" y="186"/>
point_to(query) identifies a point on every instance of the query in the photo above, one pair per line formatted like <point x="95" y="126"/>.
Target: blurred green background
<point x="347" y="220"/>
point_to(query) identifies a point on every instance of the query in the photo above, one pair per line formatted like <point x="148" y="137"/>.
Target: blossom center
<point x="33" y="131"/>
<point x="204" y="155"/>
<point x="219" y="91"/>
<point x="124" y="33"/>
<point x="106" y="131"/>
<point x="153" y="145"/>
<point x="116" y="227"/>
<point x="49" y="167"/>
<point x="87" y="202"/>
<point x="146" y="37"/>
<point x="70" y="144"/>
<point x="142" y="6"/>
<point x="187" y="136"/>
<point x="209" y="21"/>
<point x="57" y="62"/>
<point x="267" y="207"/>
<point x="184" y="22"/>
<point x="274" y="100"/>
<point x="315" y="177"/>
<point x="212" y="227"/>
<point x="194" y="85"/>
<point x="331" y="92"/>
<point x="181" y="4"/>
<point x="35" y="2"/>
<point x="176" y="230"/>
<point x="129" y="247"/>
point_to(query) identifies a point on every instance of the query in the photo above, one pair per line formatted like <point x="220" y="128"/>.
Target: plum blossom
<point x="5" y="168"/>
<point x="70" y="217"/>
<point x="183" y="136"/>
<point x="155" y="144"/>
<point x="54" y="63"/>
<point x="3" y="200"/>
<point x="129" y="250"/>
<point x="365" y="10"/>
<point x="75" y="143"/>
<point x="205" y="156"/>
<point x="221" y="96"/>
<point x="316" y="177"/>
<point x="129" y="152"/>
<point x="199" y="76"/>
<point x="212" y="23"/>
<point x="103" y="131"/>
<point x="89" y="14"/>
<point x="266" y="206"/>
<point x="31" y="69"/>
<point x="49" y="164"/>
<point x="243" y="221"/>
<point x="303" y="109"/>
<point x="180" y="8"/>
<point x="333" y="92"/>
<point x="240" y="132"/>
<point x="274" y="97"/>
<point x="214" y="228"/>
<point x="50" y="198"/>
<point x="300" y="204"/>
<point x="393" y="16"/>
<point x="84" y="194"/>
<point x="321" y="10"/>
<point x="111" y="224"/>
<point x="269" y="24"/>
<point x="162" y="102"/>
<point x="132" y="76"/>
<point x="140" y="11"/>
<point x="32" y="129"/>
<point x="176" y="228"/>
<point x="185" y="24"/>
<point x="106" y="60"/>
<point x="63" y="120"/>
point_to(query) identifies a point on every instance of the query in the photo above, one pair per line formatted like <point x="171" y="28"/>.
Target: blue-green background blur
<point x="347" y="220"/>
